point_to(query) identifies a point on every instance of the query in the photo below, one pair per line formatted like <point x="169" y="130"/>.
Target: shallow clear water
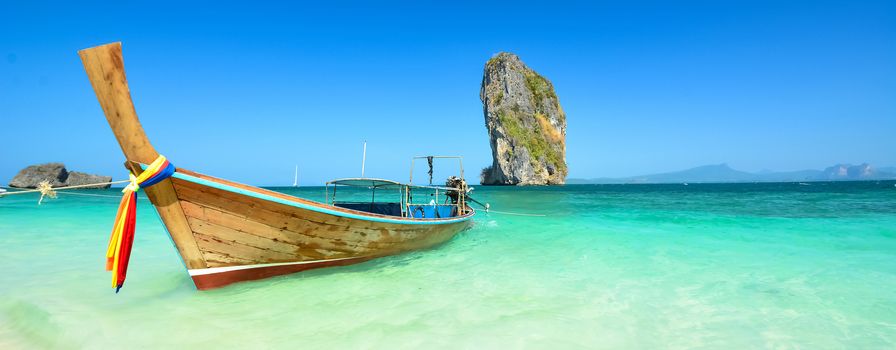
<point x="610" y="266"/>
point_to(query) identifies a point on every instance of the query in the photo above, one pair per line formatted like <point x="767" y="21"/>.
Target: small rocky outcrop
<point x="32" y="175"/>
<point x="77" y="178"/>
<point x="526" y="125"/>
<point x="57" y="176"/>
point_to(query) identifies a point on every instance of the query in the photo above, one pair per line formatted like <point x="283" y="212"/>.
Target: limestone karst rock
<point x="526" y="125"/>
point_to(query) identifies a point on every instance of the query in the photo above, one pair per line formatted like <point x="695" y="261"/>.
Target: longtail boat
<point x="229" y="232"/>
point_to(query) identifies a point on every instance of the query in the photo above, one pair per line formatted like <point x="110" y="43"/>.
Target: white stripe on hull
<point x="212" y="270"/>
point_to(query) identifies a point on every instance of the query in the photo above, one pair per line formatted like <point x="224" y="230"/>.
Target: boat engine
<point x="454" y="195"/>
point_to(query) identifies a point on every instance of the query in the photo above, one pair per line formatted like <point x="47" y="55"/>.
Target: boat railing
<point x="461" y="192"/>
<point x="434" y="207"/>
<point x="406" y="201"/>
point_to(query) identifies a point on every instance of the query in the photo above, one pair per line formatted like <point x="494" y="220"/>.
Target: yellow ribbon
<point x="114" y="250"/>
<point x="151" y="170"/>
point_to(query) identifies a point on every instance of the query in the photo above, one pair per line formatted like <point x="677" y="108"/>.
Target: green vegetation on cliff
<point x="535" y="139"/>
<point x="541" y="90"/>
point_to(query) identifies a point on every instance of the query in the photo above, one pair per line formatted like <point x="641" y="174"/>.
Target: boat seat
<point x="432" y="211"/>
<point x="393" y="209"/>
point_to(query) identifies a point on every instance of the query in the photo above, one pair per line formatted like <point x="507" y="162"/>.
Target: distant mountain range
<point x="724" y="173"/>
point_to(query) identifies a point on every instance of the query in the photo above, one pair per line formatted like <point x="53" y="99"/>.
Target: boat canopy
<point x="375" y="183"/>
<point x="366" y="182"/>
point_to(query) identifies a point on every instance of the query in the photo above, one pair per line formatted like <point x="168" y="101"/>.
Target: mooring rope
<point x="487" y="208"/>
<point x="89" y="195"/>
<point x="518" y="214"/>
<point x="39" y="189"/>
<point x="46" y="190"/>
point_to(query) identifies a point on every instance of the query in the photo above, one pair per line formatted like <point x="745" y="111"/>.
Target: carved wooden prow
<point x="105" y="69"/>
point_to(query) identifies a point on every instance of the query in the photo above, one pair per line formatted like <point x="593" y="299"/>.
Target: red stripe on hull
<point x="220" y="279"/>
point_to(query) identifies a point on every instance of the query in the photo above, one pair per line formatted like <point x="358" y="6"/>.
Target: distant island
<point x="724" y="173"/>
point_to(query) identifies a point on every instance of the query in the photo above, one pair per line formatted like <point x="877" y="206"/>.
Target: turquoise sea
<point x="714" y="266"/>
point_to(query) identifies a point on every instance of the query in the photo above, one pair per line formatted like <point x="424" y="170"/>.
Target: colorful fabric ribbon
<point x="122" y="239"/>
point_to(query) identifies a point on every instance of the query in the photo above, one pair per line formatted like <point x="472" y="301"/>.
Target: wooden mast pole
<point x="105" y="69"/>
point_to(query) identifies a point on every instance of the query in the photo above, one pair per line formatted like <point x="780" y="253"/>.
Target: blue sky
<point x="245" y="91"/>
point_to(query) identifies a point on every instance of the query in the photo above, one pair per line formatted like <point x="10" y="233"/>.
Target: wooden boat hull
<point x="244" y="233"/>
<point x="227" y="232"/>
